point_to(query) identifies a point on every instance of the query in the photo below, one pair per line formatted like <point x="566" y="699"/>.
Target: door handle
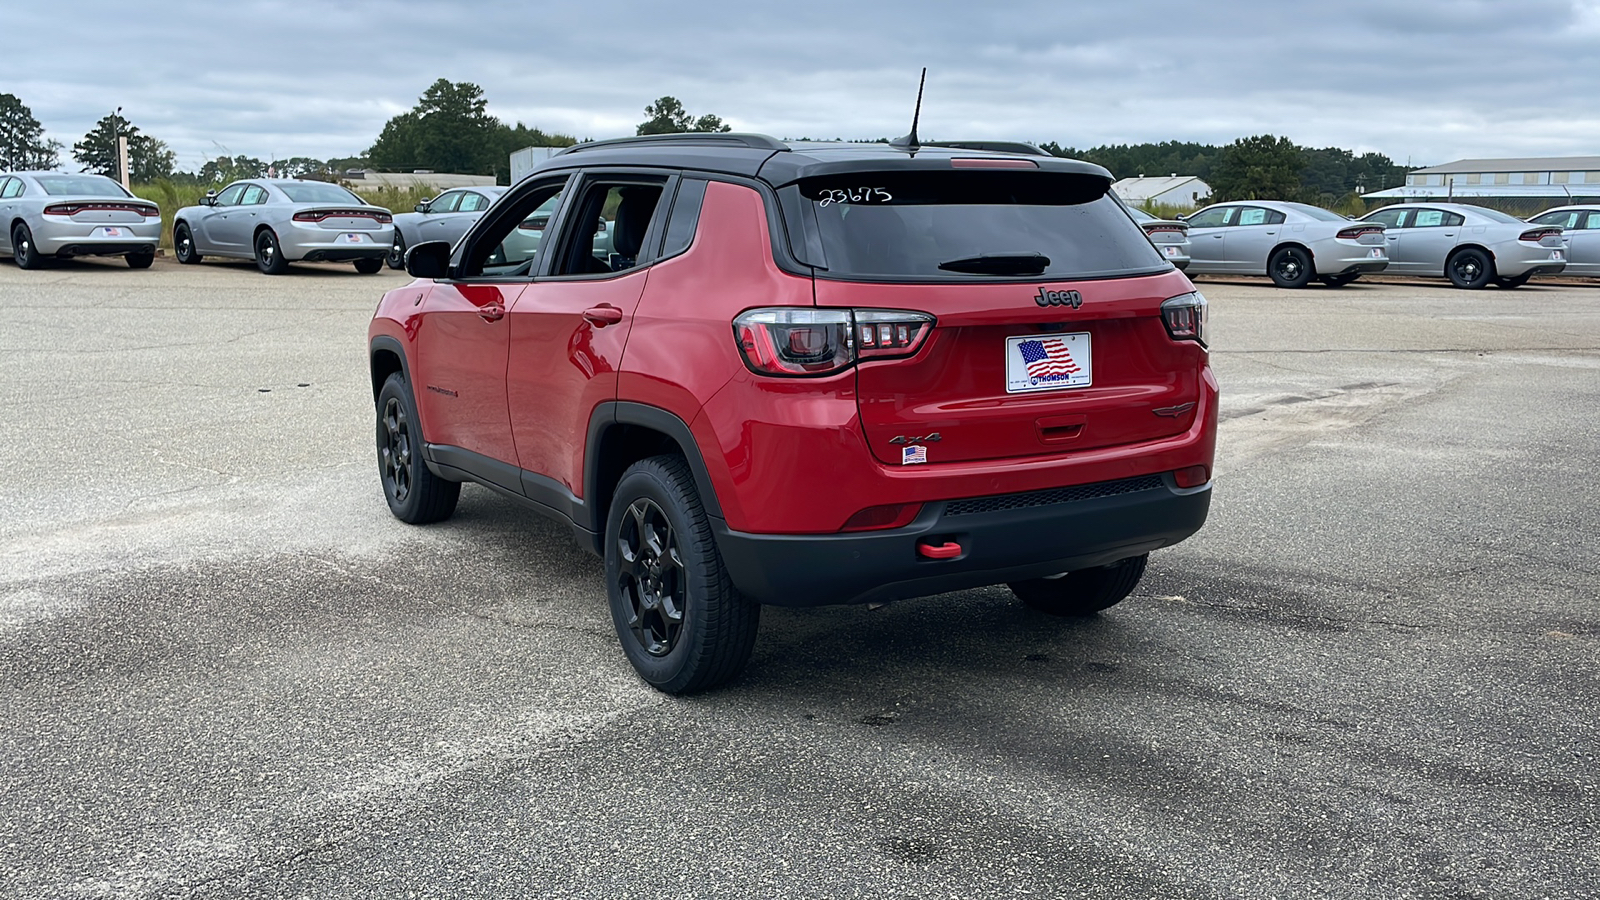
<point x="601" y="316"/>
<point x="492" y="312"/>
<point x="1394" y="237"/>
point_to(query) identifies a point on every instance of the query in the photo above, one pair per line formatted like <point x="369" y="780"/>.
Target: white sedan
<point x="1470" y="245"/>
<point x="1292" y="243"/>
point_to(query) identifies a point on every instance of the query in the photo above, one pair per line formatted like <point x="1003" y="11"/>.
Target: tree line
<point x="451" y="130"/>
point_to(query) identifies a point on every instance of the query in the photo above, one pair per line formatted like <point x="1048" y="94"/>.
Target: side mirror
<point x="429" y="259"/>
<point x="1184" y="217"/>
<point x="210" y="199"/>
<point x="423" y="206"/>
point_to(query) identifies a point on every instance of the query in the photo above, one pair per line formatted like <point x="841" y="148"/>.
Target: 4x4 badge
<point x="1059" y="298"/>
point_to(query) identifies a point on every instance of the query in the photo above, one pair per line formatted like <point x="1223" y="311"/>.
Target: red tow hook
<point x="946" y="550"/>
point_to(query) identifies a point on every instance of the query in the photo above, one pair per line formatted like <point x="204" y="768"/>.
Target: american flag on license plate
<point x="1048" y="359"/>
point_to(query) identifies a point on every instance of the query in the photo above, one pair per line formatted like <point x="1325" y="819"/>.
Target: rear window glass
<point x="319" y="192"/>
<point x="1497" y="215"/>
<point x="80" y="185"/>
<point x="1317" y="212"/>
<point x="923" y="225"/>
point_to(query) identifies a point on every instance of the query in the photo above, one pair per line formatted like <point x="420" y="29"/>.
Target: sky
<point x="1423" y="81"/>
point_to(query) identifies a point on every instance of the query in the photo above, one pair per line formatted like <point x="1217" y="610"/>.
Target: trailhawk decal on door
<point x="1047" y="362"/>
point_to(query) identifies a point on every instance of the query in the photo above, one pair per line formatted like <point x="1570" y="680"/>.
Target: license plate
<point x="1376" y="253"/>
<point x="1171" y="251"/>
<point x="1047" y="362"/>
<point x="1555" y="254"/>
<point x="349" y="238"/>
<point x="110" y="232"/>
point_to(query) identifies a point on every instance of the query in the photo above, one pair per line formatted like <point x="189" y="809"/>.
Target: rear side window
<point x="965" y="225"/>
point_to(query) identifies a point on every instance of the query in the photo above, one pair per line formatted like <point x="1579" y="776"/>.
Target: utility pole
<point x="119" y="146"/>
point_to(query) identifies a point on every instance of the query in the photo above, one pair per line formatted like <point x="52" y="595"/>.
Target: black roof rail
<point x="693" y="138"/>
<point x="991" y="146"/>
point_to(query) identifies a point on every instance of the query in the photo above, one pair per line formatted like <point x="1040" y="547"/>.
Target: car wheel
<point x="415" y="494"/>
<point x="369" y="266"/>
<point x="1338" y="281"/>
<point x="397" y="251"/>
<point x="682" y="623"/>
<point x="1084" y="592"/>
<point x="1290" y="267"/>
<point x="269" y="256"/>
<point x="1469" y="268"/>
<point x="183" y="245"/>
<point x="23" y="250"/>
<point x="142" y="259"/>
<point x="1515" y="281"/>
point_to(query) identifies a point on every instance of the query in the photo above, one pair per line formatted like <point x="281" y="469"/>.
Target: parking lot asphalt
<point x="227" y="672"/>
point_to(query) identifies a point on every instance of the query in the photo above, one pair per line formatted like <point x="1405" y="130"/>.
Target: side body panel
<point x="458" y="366"/>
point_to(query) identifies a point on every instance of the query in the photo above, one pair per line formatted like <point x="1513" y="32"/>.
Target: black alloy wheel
<point x="23" y="250"/>
<point x="183" y="245"/>
<point x="397" y="251"/>
<point x="1290" y="267"/>
<point x="269" y="256"/>
<point x="413" y="492"/>
<point x="680" y="620"/>
<point x="653" y="583"/>
<point x="1470" y="268"/>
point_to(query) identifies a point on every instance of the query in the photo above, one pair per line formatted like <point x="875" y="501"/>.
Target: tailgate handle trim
<point x="1058" y="429"/>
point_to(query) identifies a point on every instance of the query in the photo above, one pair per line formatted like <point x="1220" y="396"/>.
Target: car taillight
<point x="1539" y="234"/>
<point x="1164" y="229"/>
<point x="875" y="518"/>
<point x="1185" y="317"/>
<point x="319" y="215"/>
<point x="1350" y="234"/>
<point x="69" y="209"/>
<point x="798" y="340"/>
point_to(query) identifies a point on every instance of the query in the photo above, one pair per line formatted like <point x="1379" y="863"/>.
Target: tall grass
<point x="394" y="199"/>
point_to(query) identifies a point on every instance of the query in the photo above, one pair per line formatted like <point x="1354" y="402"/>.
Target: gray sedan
<point x="1170" y="236"/>
<point x="279" y="221"/>
<point x="444" y="218"/>
<point x="1292" y="243"/>
<point x="54" y="215"/>
<point x="1581" y="225"/>
<point x="1470" y="245"/>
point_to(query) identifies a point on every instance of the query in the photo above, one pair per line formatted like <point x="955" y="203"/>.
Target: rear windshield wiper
<point x="999" y="264"/>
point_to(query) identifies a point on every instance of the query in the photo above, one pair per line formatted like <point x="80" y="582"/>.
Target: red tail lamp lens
<point x="1193" y="476"/>
<point x="808" y="341"/>
<point x="874" y="518"/>
<point x="1539" y="234"/>
<point x="1186" y="317"/>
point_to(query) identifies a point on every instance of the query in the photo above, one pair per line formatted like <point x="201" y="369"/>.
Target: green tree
<point x="667" y="116"/>
<point x="148" y="158"/>
<point x="224" y="169"/>
<point x="449" y="130"/>
<point x="22" y="141"/>
<point x="1264" y="167"/>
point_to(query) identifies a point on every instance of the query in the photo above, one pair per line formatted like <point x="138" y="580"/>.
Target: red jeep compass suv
<point x="746" y="371"/>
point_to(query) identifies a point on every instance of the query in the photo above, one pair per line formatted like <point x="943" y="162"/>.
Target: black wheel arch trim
<point x="623" y="412"/>
<point x="391" y="345"/>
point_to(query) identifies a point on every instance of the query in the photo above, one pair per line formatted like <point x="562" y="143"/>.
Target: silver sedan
<point x="52" y="215"/>
<point x="1170" y="236"/>
<point x="279" y="221"/>
<point x="1470" y="245"/>
<point x="1292" y="243"/>
<point x="444" y="218"/>
<point x="1581" y="227"/>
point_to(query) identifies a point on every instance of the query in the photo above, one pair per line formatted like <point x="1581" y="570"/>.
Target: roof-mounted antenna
<point x="910" y="142"/>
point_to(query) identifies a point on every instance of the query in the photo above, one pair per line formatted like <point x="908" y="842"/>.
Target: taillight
<point x="874" y="518"/>
<point x="1185" y="317"/>
<point x="1190" y="477"/>
<point x="1350" y="234"/>
<point x="1539" y="234"/>
<point x="69" y="209"/>
<point x="1164" y="229"/>
<point x="798" y="340"/>
<point x="317" y="215"/>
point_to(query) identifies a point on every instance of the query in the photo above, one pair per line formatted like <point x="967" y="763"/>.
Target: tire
<point x="23" y="249"/>
<point x="1514" y="282"/>
<point x="397" y="251"/>
<point x="414" y="493"/>
<point x="183" y="245"/>
<point x="269" y="255"/>
<point x="682" y="623"/>
<point x="1290" y="267"/>
<point x="1084" y="592"/>
<point x="141" y="260"/>
<point x="1339" y="281"/>
<point x="1470" y="268"/>
<point x="369" y="266"/>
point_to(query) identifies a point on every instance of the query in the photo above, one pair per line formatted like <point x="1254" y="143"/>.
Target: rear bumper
<point x="82" y="239"/>
<point x="1031" y="540"/>
<point x="313" y="243"/>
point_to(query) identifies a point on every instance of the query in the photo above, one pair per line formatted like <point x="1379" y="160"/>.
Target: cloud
<point x="1425" y="80"/>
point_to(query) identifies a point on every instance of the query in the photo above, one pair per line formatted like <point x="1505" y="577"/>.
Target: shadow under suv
<point x="805" y="374"/>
